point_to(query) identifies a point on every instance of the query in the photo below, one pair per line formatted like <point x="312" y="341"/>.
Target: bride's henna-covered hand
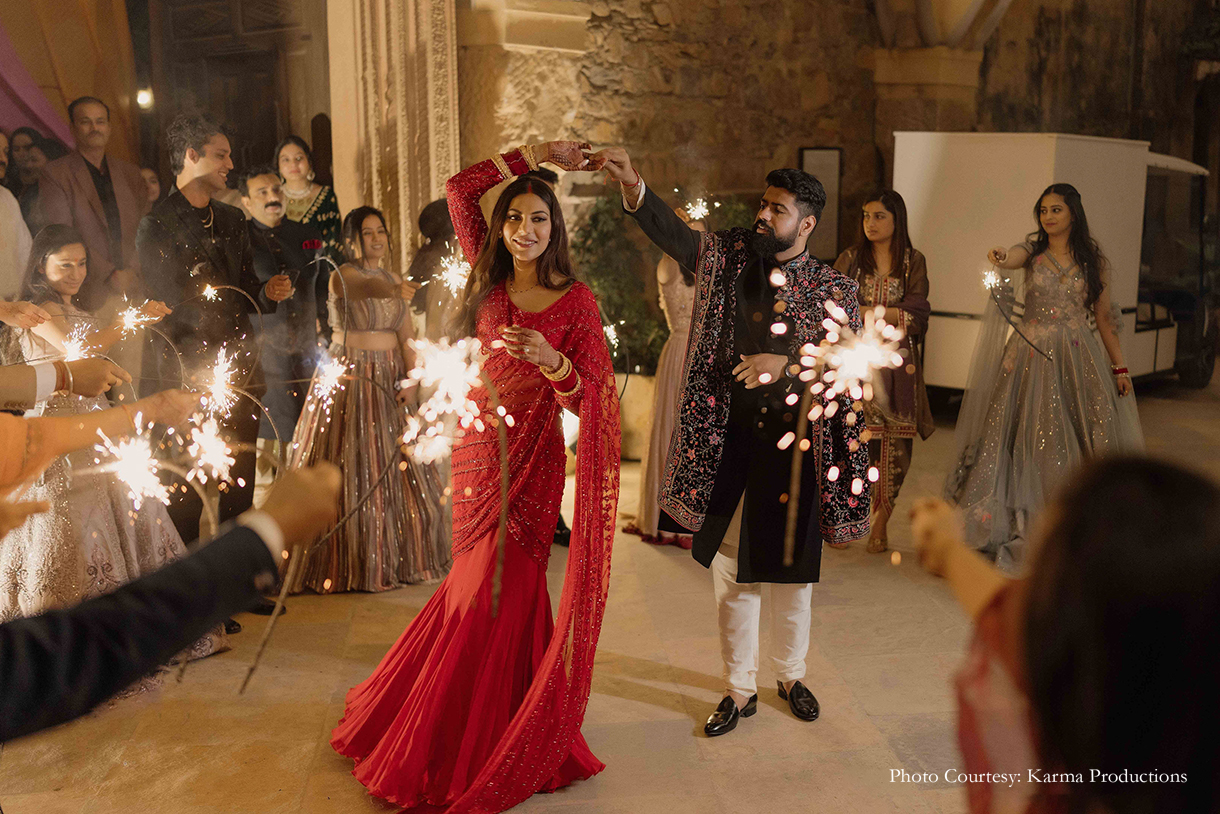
<point x="567" y="155"/>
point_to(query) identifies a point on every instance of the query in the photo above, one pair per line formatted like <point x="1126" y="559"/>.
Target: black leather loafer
<point x="724" y="719"/>
<point x="232" y="626"/>
<point x="801" y="701"/>
<point x="266" y="606"/>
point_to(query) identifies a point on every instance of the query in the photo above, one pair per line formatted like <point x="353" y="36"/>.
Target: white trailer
<point x="968" y="192"/>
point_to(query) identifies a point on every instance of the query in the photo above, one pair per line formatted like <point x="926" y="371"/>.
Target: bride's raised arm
<point x="464" y="190"/>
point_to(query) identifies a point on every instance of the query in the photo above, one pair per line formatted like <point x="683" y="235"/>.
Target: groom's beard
<point x="767" y="244"/>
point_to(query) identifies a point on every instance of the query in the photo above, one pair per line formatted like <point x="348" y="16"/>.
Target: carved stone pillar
<point x="934" y="84"/>
<point x="394" y="108"/>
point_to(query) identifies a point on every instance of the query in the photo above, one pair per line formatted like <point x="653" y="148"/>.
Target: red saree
<point x="475" y="712"/>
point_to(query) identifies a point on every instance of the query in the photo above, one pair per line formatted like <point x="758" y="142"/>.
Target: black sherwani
<point x="721" y="453"/>
<point x="290" y="335"/>
<point x="179" y="256"/>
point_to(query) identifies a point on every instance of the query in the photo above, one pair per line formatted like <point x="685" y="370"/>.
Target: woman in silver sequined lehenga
<point x="1027" y="421"/>
<point x="94" y="539"/>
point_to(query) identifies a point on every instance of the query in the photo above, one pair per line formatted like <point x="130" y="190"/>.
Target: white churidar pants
<point x="740" y="607"/>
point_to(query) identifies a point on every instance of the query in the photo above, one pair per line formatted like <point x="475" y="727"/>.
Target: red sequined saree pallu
<point x="475" y="711"/>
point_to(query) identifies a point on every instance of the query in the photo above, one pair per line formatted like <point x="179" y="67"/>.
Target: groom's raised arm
<point x="655" y="217"/>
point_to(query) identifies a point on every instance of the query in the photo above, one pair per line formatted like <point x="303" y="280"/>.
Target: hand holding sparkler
<point x="278" y="288"/>
<point x="303" y="502"/>
<point x="150" y="313"/>
<point x="169" y="407"/>
<point x="407" y="289"/>
<point x="22" y="314"/>
<point x="92" y="377"/>
<point x="936" y="528"/>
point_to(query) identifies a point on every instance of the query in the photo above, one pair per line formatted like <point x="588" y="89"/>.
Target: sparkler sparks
<point x="451" y="370"/>
<point x="210" y="293"/>
<point x="212" y="456"/>
<point x="455" y="271"/>
<point x="328" y="379"/>
<point x="698" y="209"/>
<point x="612" y="336"/>
<point x="991" y="279"/>
<point x="135" y="465"/>
<point x="76" y="345"/>
<point x="220" y="396"/>
<point x="845" y="361"/>
<point x="132" y="319"/>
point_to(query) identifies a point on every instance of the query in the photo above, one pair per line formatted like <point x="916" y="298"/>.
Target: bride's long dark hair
<point x="1084" y="248"/>
<point x="495" y="263"/>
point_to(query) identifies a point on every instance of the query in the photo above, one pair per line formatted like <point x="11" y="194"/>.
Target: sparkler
<point x="328" y="378"/>
<point x="455" y="271"/>
<point x="995" y="285"/>
<point x="132" y="319"/>
<point x="76" y="345"/>
<point x="220" y="392"/>
<point x="843" y="364"/>
<point x="212" y="455"/>
<point x="452" y="369"/>
<point x="612" y="335"/>
<point x="698" y="209"/>
<point x="134" y="464"/>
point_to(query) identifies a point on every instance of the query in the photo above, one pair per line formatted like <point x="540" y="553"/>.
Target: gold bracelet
<point x="575" y="387"/>
<point x="560" y="373"/>
<point x="527" y="152"/>
<point x="502" y="166"/>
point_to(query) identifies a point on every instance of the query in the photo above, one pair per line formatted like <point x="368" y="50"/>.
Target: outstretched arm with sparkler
<point x="30" y="444"/>
<point x="78" y="337"/>
<point x="57" y="666"/>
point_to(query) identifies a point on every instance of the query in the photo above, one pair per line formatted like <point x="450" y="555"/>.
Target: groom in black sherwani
<point x="759" y="298"/>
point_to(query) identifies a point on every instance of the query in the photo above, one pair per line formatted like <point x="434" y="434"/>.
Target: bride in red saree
<point x="475" y="709"/>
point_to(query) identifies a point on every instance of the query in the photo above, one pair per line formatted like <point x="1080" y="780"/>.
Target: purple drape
<point x="22" y="102"/>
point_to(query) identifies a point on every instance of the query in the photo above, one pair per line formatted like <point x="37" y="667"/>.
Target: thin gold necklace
<point x="512" y="290"/>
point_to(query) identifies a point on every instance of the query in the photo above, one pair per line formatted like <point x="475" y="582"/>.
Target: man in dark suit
<point x="186" y="243"/>
<point x="58" y="666"/>
<point x="103" y="197"/>
<point x="290" y="335"/>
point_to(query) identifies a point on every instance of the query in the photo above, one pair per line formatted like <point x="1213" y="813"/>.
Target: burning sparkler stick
<point x="455" y="271"/>
<point x="842" y="365"/>
<point x="994" y="283"/>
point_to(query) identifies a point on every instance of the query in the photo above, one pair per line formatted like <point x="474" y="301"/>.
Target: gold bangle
<point x="560" y="373"/>
<point x="575" y="387"/>
<point x="527" y="152"/>
<point x="502" y="166"/>
<point x="127" y="413"/>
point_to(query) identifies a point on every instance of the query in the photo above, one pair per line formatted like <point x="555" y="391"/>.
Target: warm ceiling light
<point x="144" y="99"/>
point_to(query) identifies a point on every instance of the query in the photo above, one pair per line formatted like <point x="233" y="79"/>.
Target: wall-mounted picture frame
<point x="825" y="164"/>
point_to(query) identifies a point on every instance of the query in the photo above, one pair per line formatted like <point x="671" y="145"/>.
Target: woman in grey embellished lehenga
<point x="94" y="539"/>
<point x="1028" y="421"/>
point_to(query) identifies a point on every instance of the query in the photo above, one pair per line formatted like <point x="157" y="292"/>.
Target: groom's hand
<point x="760" y="369"/>
<point x="616" y="163"/>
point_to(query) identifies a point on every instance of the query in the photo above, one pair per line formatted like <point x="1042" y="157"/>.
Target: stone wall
<point x="710" y="94"/>
<point x="713" y="93"/>
<point x="1068" y="66"/>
